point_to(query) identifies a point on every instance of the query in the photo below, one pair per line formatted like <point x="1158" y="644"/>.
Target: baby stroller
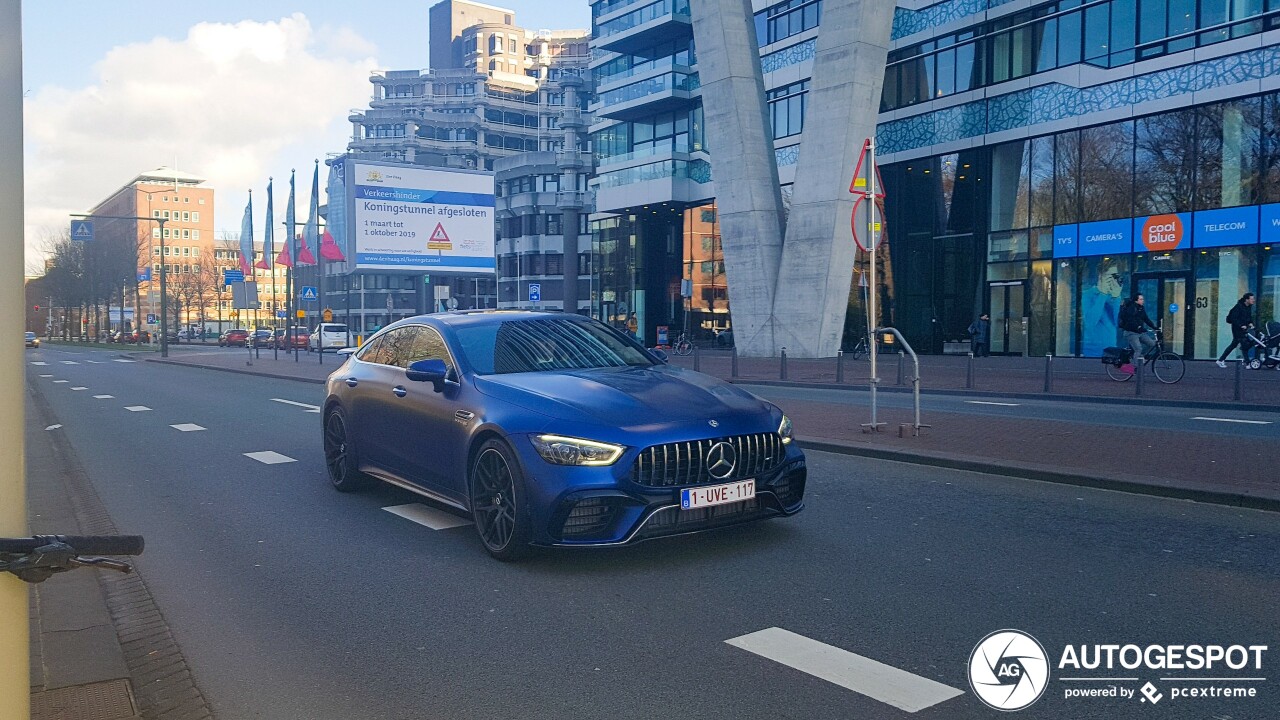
<point x="1265" y="344"/>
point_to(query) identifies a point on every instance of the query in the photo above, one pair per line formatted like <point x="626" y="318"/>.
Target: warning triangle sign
<point x="439" y="239"/>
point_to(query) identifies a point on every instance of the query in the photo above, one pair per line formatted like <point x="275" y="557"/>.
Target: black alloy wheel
<point x="497" y="502"/>
<point x="339" y="454"/>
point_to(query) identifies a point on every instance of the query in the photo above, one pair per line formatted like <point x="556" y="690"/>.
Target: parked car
<point x="234" y="337"/>
<point x="297" y="335"/>
<point x="260" y="339"/>
<point x="32" y="340"/>
<point x="724" y="339"/>
<point x="335" y="337"/>
<point x="555" y="429"/>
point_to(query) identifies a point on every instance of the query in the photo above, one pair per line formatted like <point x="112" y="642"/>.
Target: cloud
<point x="233" y="103"/>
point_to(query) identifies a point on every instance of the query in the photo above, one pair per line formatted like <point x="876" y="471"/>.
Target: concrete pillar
<point x="15" y="679"/>
<point x="844" y="99"/>
<point x="741" y="145"/>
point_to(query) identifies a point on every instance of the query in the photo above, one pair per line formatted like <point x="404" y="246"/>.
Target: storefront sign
<point x="1228" y="226"/>
<point x="1163" y="233"/>
<point x="1065" y="240"/>
<point x="1271" y="223"/>
<point x="1109" y="237"/>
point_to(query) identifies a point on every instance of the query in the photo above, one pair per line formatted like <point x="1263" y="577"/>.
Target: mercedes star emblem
<point x="713" y="423"/>
<point x="721" y="459"/>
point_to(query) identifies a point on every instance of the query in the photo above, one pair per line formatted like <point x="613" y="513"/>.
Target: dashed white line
<point x="137" y="408"/>
<point x="428" y="516"/>
<point x="94" y="362"/>
<point x="70" y="362"/>
<point x="987" y="402"/>
<point x="308" y="408"/>
<point x="124" y="361"/>
<point x="81" y="387"/>
<point x="46" y="376"/>
<point x="104" y="397"/>
<point x="186" y="427"/>
<point x="1234" y="420"/>
<point x="53" y="427"/>
<point x="884" y="683"/>
<point x="62" y="381"/>
<point x="269" y="457"/>
<point x="39" y="363"/>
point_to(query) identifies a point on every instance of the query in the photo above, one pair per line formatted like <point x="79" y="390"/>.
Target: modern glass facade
<point x="1041" y="163"/>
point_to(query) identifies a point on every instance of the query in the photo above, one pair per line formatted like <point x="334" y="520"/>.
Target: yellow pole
<point x="15" y="679"/>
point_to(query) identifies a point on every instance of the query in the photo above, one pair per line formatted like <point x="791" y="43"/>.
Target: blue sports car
<point x="555" y="429"/>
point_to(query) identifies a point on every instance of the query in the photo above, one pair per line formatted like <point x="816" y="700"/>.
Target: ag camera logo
<point x="1009" y="670"/>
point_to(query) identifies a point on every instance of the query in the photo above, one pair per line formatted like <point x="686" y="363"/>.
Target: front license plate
<point x="717" y="494"/>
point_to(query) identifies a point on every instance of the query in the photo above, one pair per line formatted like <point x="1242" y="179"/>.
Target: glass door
<point x="1009" y="321"/>
<point x="1166" y="299"/>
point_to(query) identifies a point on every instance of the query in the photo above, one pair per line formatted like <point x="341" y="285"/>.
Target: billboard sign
<point x="1109" y="237"/>
<point x="420" y="219"/>
<point x="1228" y="226"/>
<point x="1163" y="233"/>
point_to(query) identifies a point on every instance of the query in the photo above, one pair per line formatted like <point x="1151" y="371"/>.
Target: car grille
<point x="589" y="517"/>
<point x="685" y="463"/>
<point x="789" y="487"/>
<point x="675" y="520"/>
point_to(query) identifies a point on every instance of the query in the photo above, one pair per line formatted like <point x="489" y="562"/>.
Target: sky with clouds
<point x="234" y="91"/>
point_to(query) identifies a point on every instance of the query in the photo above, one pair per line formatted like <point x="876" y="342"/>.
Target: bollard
<point x="839" y="366"/>
<point x="697" y="359"/>
<point x="901" y="358"/>
<point x="1048" y="373"/>
<point x="1137" y="370"/>
<point x="733" y="365"/>
<point x="782" y="367"/>
<point x="1239" y="390"/>
<point x="968" y="379"/>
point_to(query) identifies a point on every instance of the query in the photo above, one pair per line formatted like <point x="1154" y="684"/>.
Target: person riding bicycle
<point x="1135" y="322"/>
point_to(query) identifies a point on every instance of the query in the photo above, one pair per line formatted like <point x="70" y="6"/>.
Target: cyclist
<point x="1135" y="323"/>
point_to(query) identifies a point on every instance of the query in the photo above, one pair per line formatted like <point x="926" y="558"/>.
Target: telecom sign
<point x="231" y="277"/>
<point x="535" y="292"/>
<point x="82" y="230"/>
<point x="309" y="293"/>
<point x="1228" y="226"/>
<point x="420" y="219"/>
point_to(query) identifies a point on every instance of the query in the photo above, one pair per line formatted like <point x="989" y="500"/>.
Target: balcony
<point x="668" y="91"/>
<point x="662" y="20"/>
<point x="659" y="182"/>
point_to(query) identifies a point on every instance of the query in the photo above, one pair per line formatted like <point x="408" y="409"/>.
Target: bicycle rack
<point x="915" y="381"/>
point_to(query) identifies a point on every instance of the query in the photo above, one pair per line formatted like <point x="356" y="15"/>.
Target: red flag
<point x="329" y="248"/>
<point x="283" y="258"/>
<point x="304" y="253"/>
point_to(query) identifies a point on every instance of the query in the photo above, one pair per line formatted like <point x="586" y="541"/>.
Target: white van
<point x="334" y="334"/>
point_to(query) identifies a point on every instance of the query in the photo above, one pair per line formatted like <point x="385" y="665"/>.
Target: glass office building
<point x="1040" y="162"/>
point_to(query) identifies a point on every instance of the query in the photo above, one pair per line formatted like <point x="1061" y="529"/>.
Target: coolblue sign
<point x="1228" y="226"/>
<point x="1066" y="240"/>
<point x="1109" y="237"/>
<point x="1162" y="233"/>
<point x="1270" y="223"/>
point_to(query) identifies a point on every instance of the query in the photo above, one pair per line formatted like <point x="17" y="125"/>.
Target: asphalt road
<point x="293" y="601"/>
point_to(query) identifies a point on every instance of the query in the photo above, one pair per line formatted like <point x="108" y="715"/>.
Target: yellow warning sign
<point x="439" y="239"/>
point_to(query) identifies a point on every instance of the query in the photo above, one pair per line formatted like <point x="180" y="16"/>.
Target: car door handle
<point x="352" y="382"/>
<point x="399" y="391"/>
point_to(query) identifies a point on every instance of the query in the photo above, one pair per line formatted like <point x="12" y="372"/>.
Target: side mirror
<point x="347" y="351"/>
<point x="432" y="371"/>
<point x="661" y="355"/>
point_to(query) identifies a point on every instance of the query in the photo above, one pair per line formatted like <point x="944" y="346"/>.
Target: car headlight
<point x="560" y="450"/>
<point x="784" y="429"/>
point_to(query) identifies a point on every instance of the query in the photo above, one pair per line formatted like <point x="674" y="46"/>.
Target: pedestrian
<point x="1241" y="321"/>
<point x="980" y="332"/>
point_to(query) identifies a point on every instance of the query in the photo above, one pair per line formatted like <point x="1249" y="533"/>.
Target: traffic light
<point x="37" y="308"/>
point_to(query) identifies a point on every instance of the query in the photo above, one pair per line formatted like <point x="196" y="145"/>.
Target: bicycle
<point x="1166" y="365"/>
<point x="682" y="346"/>
<point x="860" y="349"/>
<point x="37" y="558"/>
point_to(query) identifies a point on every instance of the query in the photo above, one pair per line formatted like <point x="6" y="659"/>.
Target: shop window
<point x="1164" y="163"/>
<point x="1064" y="307"/>
<point x="1066" y="186"/>
<point x="1229" y="142"/>
<point x="1009" y="186"/>
<point x="1223" y="275"/>
<point x="1106" y="172"/>
<point x="1102" y="281"/>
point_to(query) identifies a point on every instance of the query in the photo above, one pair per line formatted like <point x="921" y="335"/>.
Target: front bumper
<point x="601" y="506"/>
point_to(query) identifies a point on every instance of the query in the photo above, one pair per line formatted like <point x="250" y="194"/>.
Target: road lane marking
<point x="884" y="683"/>
<point x="137" y="408"/>
<point x="104" y="397"/>
<point x="70" y="362"/>
<point x="987" y="402"/>
<point x="269" y="457"/>
<point x="62" y="381"/>
<point x="53" y="427"/>
<point x="428" y="516"/>
<point x="186" y="427"/>
<point x="308" y="408"/>
<point x="94" y="362"/>
<point x="1234" y="420"/>
<point x="123" y="360"/>
<point x="80" y="388"/>
<point x="46" y="376"/>
<point x="39" y="363"/>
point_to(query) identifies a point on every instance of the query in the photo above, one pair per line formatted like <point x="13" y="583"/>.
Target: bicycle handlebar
<point x="81" y="544"/>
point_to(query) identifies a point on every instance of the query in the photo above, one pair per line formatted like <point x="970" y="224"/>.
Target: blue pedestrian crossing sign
<point x="281" y="314"/>
<point x="309" y="293"/>
<point x="82" y="230"/>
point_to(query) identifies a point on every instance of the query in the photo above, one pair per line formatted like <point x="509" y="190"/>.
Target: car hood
<point x="631" y="398"/>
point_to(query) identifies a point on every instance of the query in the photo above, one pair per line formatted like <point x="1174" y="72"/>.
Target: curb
<point x="1041" y="473"/>
<point x="1093" y="399"/>
<point x="238" y="371"/>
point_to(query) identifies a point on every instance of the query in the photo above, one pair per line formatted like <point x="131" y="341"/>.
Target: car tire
<point x="340" y="457"/>
<point x="495" y="488"/>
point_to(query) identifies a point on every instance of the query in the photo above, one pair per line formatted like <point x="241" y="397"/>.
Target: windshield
<point x="515" y="346"/>
<point x="333" y="328"/>
<point x="31" y="335"/>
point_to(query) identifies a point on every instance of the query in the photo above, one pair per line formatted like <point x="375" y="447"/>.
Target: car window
<point x="397" y="346"/>
<point x="372" y="351"/>
<point x="513" y="346"/>
<point x="428" y="345"/>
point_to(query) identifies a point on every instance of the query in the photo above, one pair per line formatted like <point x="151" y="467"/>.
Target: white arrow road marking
<point x="1234" y="420"/>
<point x="186" y="427"/>
<point x="269" y="457"/>
<point x="308" y="408"/>
<point x="137" y="408"/>
<point x="985" y="402"/>
<point x="428" y="516"/>
<point x="104" y="397"/>
<point x="884" y="683"/>
<point x="53" y="427"/>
